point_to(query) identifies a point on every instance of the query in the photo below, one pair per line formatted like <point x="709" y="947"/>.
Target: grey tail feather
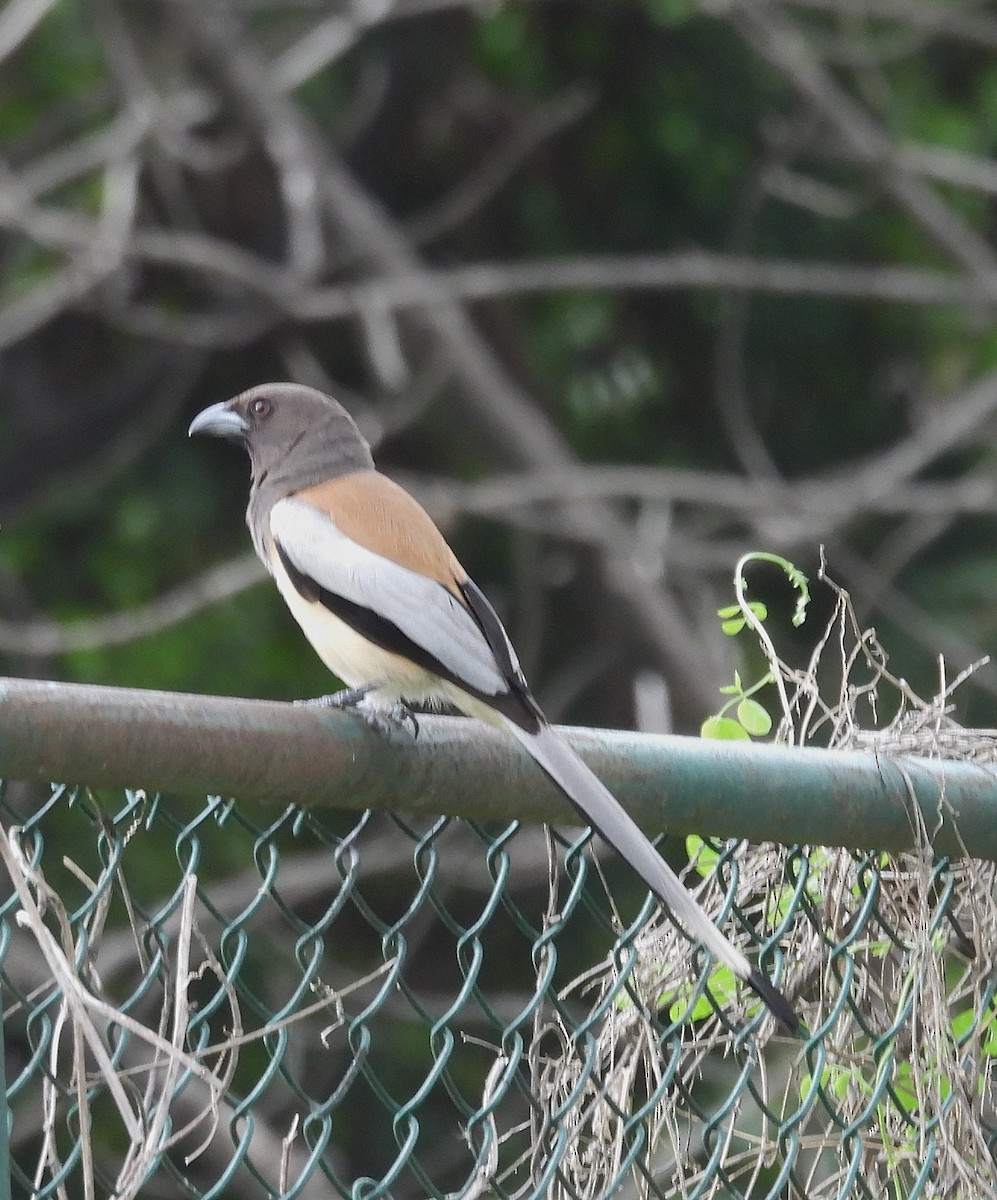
<point x="600" y="809"/>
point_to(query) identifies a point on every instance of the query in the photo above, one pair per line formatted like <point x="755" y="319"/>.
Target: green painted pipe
<point x="280" y="753"/>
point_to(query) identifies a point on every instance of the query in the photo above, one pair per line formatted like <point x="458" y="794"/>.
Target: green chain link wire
<point x="418" y="1016"/>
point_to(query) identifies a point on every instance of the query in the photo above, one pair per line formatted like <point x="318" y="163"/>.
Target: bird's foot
<point x="386" y="719"/>
<point x="346" y="698"/>
<point x="383" y="718"/>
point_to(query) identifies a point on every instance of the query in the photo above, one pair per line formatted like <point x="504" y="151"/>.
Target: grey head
<point x="296" y="437"/>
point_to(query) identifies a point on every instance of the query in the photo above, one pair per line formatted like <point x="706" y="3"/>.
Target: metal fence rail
<point x="210" y="997"/>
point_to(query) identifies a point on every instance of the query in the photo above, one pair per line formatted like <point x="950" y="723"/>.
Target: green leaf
<point x="723" y="986"/>
<point x="733" y="627"/>
<point x="833" y="1079"/>
<point x="754" y="718"/>
<point x="677" y="1002"/>
<point x="962" y="1023"/>
<point x="724" y="729"/>
<point x="702" y="854"/>
<point x="903" y="1087"/>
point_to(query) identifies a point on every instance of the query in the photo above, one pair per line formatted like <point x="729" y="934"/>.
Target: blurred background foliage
<point x="167" y="239"/>
<point x="743" y="247"/>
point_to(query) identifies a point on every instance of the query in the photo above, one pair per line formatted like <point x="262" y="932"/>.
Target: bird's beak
<point x="219" y="420"/>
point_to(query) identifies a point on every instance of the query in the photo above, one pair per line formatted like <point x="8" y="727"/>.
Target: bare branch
<point x="866" y="141"/>
<point x="327" y="42"/>
<point x="650" y="272"/>
<point x="217" y="584"/>
<point x="963" y="22"/>
<point x="118" y="139"/>
<point x="951" y="166"/>
<point x="277" y="124"/>
<point x="498" y="166"/>
<point x="788" y="513"/>
<point x="18" y="19"/>
<point x="59" y="229"/>
<point x="963" y="418"/>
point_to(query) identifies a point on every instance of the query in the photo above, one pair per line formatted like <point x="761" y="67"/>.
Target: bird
<point x="389" y="609"/>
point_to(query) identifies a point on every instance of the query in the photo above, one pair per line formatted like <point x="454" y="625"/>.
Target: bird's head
<point x="292" y="433"/>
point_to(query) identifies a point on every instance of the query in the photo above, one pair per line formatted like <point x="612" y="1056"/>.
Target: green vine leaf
<point x="754" y="718"/>
<point x="724" y="729"/>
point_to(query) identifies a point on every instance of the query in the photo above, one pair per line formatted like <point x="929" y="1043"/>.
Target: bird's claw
<point x="379" y="717"/>
<point x="346" y="698"/>
<point x="386" y="720"/>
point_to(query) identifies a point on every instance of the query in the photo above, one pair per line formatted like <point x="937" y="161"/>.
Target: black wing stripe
<point x="388" y="636"/>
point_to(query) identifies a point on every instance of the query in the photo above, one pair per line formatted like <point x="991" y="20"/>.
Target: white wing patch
<point x="421" y="608"/>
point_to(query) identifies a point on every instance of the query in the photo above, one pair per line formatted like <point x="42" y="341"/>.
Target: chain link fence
<point x="212" y="998"/>
<point x="220" y="1000"/>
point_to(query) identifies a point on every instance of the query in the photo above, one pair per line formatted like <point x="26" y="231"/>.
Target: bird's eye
<point x="260" y="408"/>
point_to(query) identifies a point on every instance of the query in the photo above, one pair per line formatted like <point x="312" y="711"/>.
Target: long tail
<point x="603" y="812"/>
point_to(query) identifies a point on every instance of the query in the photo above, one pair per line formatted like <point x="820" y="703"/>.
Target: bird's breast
<point x="352" y="656"/>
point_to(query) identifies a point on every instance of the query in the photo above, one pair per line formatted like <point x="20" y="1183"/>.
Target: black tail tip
<point x="777" y="1004"/>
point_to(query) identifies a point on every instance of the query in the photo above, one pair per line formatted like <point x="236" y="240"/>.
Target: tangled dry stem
<point x="887" y="956"/>
<point x="172" y="1093"/>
